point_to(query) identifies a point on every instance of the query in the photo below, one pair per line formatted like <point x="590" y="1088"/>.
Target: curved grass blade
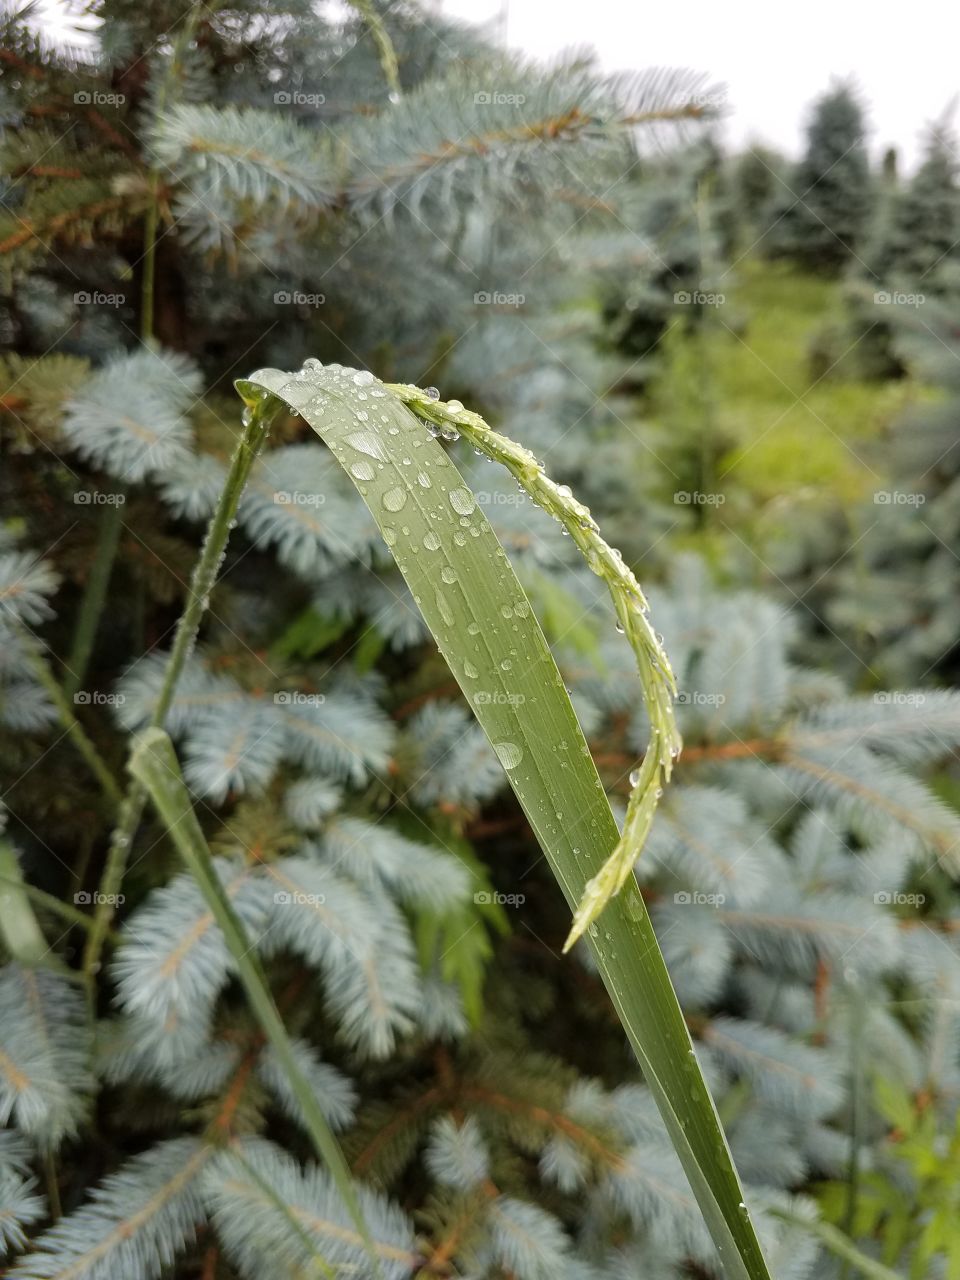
<point x="470" y="597"/>
<point x="154" y="764"/>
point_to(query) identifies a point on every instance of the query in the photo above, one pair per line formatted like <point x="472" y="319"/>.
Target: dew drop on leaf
<point x="394" y="499"/>
<point x="509" y="753"/>
<point x="462" y="501"/>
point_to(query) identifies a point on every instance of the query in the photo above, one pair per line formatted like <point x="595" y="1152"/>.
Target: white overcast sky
<point x="772" y="58"/>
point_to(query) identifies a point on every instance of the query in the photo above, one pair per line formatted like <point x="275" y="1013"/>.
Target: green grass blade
<point x="461" y="579"/>
<point x="154" y="764"/>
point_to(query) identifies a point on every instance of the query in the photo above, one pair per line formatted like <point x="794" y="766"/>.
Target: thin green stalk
<point x="653" y="666"/>
<point x="154" y="765"/>
<point x="75" y="730"/>
<point x="257" y="419"/>
<point x="19" y="928"/>
<point x="857" y="1118"/>
<point x="834" y="1240"/>
<point x="385" y="50"/>
<point x="94" y="596"/>
<point x="148" y="280"/>
<point x="68" y="913"/>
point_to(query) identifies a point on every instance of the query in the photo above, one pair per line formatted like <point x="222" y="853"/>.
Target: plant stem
<point x="21" y="934"/>
<point x="257" y="419"/>
<point x="71" y="914"/>
<point x="75" y="731"/>
<point x="154" y="765"/>
<point x="94" y="596"/>
<point x="385" y="50"/>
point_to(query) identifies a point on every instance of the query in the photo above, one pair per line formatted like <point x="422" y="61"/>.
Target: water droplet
<point x="634" y="777"/>
<point x="395" y="499"/>
<point x="312" y="364"/>
<point x="473" y="628"/>
<point x="443" y="606"/>
<point x="431" y="541"/>
<point x="510" y="754"/>
<point x="362" y="471"/>
<point x="424" y="480"/>
<point x="470" y="670"/>
<point x="462" y="501"/>
<point x="433" y="393"/>
<point x="247" y="416"/>
<point x="366" y="443"/>
<point x="454" y="406"/>
<point x="448" y="573"/>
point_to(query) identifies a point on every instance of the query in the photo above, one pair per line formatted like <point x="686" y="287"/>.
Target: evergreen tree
<point x="342" y="187"/>
<point x="821" y="218"/>
<point x="923" y="228"/>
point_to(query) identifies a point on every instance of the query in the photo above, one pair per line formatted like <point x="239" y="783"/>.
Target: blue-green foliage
<point x="798" y="871"/>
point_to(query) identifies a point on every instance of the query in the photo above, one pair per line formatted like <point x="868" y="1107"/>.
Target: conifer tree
<point x="820" y="219"/>
<point x="339" y="189"/>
